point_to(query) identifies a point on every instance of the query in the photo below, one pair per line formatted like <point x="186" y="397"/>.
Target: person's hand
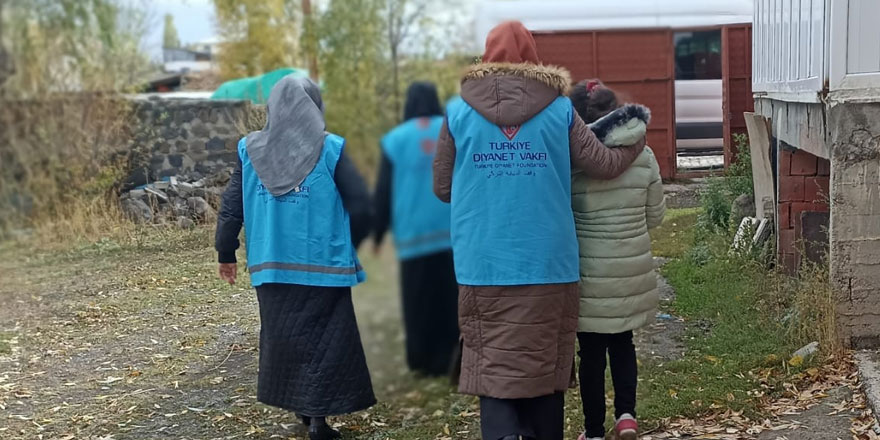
<point x="228" y="272"/>
<point x="377" y="248"/>
<point x="640" y="145"/>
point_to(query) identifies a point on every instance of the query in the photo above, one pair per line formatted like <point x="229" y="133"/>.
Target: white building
<point x="816" y="80"/>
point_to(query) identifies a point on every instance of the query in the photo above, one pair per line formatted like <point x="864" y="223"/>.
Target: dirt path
<point x="143" y="342"/>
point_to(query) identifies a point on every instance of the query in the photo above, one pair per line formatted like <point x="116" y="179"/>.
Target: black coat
<point x="349" y="182"/>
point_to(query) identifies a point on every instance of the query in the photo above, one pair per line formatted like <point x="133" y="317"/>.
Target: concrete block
<point x="854" y="132"/>
<point x="803" y="164"/>
<point x="868" y="363"/>
<point x="817" y="189"/>
<point x="787" y="241"/>
<point x="856" y="200"/>
<point x="784" y="162"/>
<point x="789" y="264"/>
<point x="791" y="188"/>
<point x="784" y="210"/>
<point x="861" y="173"/>
<point x="861" y="330"/>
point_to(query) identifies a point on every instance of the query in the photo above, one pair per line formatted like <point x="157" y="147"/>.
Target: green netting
<point x="255" y="88"/>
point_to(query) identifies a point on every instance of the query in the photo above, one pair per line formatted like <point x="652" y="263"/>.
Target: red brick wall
<point x="803" y="187"/>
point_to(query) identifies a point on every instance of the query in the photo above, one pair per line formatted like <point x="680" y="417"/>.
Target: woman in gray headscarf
<point x="305" y="209"/>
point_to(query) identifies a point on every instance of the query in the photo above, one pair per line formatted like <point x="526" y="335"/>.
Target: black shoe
<point x="323" y="432"/>
<point x="306" y="420"/>
<point x="510" y="437"/>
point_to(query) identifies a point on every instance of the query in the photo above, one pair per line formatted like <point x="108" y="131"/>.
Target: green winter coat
<point x="612" y="217"/>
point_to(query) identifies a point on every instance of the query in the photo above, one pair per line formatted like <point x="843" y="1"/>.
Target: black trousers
<point x="624" y="373"/>
<point x="540" y="418"/>
<point x="430" y="312"/>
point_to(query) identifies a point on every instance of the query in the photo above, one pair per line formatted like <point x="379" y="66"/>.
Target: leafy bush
<point x="720" y="192"/>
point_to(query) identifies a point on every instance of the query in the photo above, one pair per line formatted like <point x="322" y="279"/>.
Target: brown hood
<point x="511" y="94"/>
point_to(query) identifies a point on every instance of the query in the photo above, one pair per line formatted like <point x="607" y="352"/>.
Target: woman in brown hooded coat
<point x="518" y="294"/>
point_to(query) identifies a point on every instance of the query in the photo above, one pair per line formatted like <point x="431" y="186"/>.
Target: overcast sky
<point x="194" y="20"/>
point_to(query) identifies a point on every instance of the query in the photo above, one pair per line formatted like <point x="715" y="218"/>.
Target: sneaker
<point x="626" y="428"/>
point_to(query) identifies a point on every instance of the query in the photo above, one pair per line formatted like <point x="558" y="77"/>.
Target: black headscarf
<point x="421" y="101"/>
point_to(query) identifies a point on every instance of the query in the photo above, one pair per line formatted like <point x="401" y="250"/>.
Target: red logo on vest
<point x="510" y="131"/>
<point x="429" y="146"/>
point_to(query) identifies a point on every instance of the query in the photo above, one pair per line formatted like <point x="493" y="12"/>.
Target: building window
<point x="698" y="55"/>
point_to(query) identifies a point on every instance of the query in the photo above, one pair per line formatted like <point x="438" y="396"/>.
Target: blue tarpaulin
<point x="255" y="88"/>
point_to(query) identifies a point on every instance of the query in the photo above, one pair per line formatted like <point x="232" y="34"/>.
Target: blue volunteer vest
<point x="419" y="221"/>
<point x="511" y="198"/>
<point x="302" y="237"/>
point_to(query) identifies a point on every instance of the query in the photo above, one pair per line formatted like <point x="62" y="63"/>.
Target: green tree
<point x="368" y="52"/>
<point x="74" y="45"/>
<point x="170" y="38"/>
<point x="259" y="36"/>
<point x="350" y="36"/>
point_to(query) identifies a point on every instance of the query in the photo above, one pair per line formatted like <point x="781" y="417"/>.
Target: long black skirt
<point x="430" y="312"/>
<point x="311" y="358"/>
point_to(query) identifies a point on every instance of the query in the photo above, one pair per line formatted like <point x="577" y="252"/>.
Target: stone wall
<point x="188" y="138"/>
<point x="855" y="220"/>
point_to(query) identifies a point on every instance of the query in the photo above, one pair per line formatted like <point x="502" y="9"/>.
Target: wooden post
<point x="762" y="170"/>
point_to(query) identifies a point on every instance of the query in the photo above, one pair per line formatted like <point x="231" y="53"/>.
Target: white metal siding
<point x="789" y="47"/>
<point x="855" y="45"/>
<point x="863" y="37"/>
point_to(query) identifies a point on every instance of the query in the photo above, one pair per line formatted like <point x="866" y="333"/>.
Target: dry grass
<point x="812" y="309"/>
<point x="63" y="158"/>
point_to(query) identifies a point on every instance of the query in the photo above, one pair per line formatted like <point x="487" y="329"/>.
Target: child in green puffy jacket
<point x="618" y="284"/>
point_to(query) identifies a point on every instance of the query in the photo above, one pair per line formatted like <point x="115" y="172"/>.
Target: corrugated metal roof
<point x="562" y="15"/>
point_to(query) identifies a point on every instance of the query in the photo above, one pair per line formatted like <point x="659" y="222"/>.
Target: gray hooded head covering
<point x="286" y="150"/>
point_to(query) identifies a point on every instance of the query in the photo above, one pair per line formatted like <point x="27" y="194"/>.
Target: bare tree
<point x="402" y="16"/>
<point x="310" y="40"/>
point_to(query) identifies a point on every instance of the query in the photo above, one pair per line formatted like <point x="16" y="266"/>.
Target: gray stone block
<point x="136" y="210"/>
<point x="175" y="160"/>
<point x="182" y="116"/>
<point x="197" y="145"/>
<point x="199" y="129"/>
<point x="216" y="144"/>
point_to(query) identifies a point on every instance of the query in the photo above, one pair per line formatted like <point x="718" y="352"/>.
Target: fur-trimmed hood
<point x="624" y="126"/>
<point x="511" y="94"/>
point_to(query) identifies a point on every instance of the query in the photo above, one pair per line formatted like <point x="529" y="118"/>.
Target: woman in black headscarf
<point x="305" y="209"/>
<point x="404" y="200"/>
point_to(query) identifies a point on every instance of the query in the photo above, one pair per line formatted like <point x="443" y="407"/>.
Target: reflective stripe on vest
<point x="302" y="237"/>
<point x="511" y="198"/>
<point x="419" y="221"/>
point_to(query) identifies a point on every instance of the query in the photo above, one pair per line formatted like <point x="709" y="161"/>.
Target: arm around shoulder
<point x="589" y="155"/>
<point x="444" y="163"/>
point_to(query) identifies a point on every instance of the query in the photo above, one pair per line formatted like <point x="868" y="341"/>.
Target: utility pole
<point x="311" y="45"/>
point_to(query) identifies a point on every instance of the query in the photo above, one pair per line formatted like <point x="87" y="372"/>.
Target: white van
<point x="698" y="89"/>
